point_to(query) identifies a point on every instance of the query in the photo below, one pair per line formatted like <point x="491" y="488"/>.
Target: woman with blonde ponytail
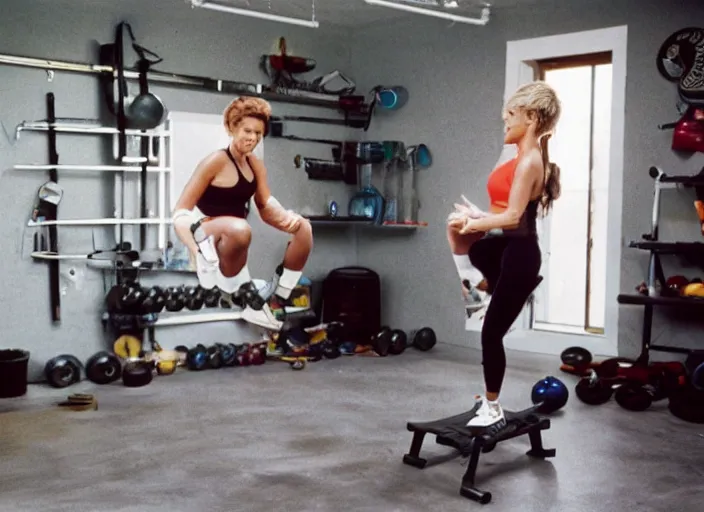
<point x="496" y="252"/>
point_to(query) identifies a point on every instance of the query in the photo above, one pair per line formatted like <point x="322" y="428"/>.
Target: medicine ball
<point x="62" y="371"/>
<point x="424" y="339"/>
<point x="576" y="356"/>
<point x="551" y="393"/>
<point x="136" y="374"/>
<point x="103" y="368"/>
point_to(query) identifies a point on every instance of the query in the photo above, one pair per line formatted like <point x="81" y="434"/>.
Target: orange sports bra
<point x="499" y="188"/>
<point x="499" y="185"/>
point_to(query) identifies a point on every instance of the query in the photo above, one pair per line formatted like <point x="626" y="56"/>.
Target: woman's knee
<point x="305" y="231"/>
<point x="236" y="234"/>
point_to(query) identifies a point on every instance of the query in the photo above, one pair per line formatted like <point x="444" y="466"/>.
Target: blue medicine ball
<point x="551" y="392"/>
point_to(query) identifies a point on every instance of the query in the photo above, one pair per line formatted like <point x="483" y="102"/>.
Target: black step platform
<point x="469" y="442"/>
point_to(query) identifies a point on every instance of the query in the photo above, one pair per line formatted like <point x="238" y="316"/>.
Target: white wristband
<point x="181" y="212"/>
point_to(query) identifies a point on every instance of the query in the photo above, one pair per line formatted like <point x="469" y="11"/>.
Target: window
<point x="573" y="236"/>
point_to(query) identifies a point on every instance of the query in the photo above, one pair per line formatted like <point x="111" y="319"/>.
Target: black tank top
<point x="527" y="225"/>
<point x="229" y="201"/>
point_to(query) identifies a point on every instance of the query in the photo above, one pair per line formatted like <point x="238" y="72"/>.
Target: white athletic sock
<point x="232" y="284"/>
<point x="466" y="270"/>
<point x="287" y="282"/>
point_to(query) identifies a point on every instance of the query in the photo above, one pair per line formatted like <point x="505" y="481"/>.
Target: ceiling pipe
<point x="254" y="14"/>
<point x="483" y="20"/>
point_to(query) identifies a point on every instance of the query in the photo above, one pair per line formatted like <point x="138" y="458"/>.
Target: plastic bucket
<point x="13" y="372"/>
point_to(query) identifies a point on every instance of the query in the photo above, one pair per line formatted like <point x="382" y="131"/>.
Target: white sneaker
<point x="489" y="414"/>
<point x="207" y="272"/>
<point x="263" y="318"/>
<point x="474" y="298"/>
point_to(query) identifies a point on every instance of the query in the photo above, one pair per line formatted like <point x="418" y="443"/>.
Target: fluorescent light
<point x="254" y="14"/>
<point x="438" y="14"/>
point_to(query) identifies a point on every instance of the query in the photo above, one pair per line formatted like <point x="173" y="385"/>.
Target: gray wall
<point x="196" y="42"/>
<point x="455" y="75"/>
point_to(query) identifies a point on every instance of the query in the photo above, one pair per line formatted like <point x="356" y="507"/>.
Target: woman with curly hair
<point x="500" y="247"/>
<point x="210" y="217"/>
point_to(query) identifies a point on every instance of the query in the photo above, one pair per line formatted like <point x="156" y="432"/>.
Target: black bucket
<point x="13" y="372"/>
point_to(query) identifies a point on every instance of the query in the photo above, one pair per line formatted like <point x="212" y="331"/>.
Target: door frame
<point x="520" y="68"/>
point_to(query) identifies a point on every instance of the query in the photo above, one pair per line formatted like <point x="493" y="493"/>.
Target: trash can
<point x="13" y="372"/>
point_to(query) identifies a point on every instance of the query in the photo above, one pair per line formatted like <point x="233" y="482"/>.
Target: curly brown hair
<point x="246" y="106"/>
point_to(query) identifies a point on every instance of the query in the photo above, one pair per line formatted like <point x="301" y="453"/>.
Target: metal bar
<point x="50" y="255"/>
<point x="90" y="129"/>
<point x="97" y="222"/>
<point x="199" y="318"/>
<point x="54" y="292"/>
<point x="438" y="14"/>
<point x="161" y="193"/>
<point x="674" y="350"/>
<point x="255" y="14"/>
<point x="269" y="92"/>
<point x="104" y="168"/>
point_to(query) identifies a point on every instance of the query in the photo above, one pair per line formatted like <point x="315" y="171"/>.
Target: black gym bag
<point x="352" y="296"/>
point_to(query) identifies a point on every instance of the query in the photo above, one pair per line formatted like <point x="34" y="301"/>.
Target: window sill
<point x="550" y="342"/>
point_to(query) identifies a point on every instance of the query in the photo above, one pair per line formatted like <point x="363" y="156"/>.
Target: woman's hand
<point x="470" y="209"/>
<point x="469" y="226"/>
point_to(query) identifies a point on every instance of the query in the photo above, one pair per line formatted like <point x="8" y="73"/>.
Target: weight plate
<point x="677" y="53"/>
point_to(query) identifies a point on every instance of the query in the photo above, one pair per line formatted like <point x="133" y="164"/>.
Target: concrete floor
<point x="332" y="438"/>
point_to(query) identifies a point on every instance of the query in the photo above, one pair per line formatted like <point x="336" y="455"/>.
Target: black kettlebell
<point x="214" y="356"/>
<point x="211" y="298"/>
<point x="175" y="299"/>
<point x="424" y="339"/>
<point x="131" y="299"/>
<point x="194" y="298"/>
<point x="398" y="342"/>
<point x="381" y="341"/>
<point x="331" y="350"/>
<point x="197" y="358"/>
<point x="154" y="300"/>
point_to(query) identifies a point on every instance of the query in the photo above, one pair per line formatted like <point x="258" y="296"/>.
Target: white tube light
<point x="254" y="14"/>
<point x="438" y="14"/>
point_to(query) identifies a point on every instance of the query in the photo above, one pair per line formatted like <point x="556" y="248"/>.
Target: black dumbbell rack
<point x="693" y="252"/>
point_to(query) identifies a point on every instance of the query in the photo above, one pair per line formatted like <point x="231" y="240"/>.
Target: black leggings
<point x="511" y="266"/>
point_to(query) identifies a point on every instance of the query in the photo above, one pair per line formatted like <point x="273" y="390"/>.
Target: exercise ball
<point x="551" y="393"/>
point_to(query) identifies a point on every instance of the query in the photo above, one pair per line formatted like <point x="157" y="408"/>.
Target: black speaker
<point x="352" y="296"/>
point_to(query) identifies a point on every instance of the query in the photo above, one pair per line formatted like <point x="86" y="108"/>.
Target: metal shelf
<point x="197" y="318"/>
<point x="655" y="271"/>
<point x="77" y="127"/>
<point x="98" y="222"/>
<point x="88" y="168"/>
